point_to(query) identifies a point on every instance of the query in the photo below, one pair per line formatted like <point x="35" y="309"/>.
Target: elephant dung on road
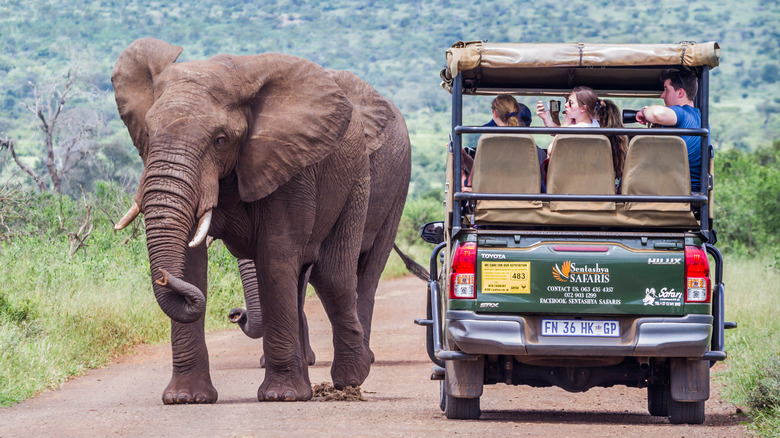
<point x="267" y="153"/>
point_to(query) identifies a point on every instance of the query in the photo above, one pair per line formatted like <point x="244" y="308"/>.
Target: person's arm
<point x="466" y="161"/>
<point x="657" y="114"/>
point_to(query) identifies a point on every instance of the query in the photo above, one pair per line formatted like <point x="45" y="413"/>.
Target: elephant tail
<point x="415" y="268"/>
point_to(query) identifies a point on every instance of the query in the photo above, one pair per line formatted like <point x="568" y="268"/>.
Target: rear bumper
<point x="685" y="336"/>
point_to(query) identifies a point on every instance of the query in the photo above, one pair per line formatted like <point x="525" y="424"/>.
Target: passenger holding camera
<point x="680" y="89"/>
<point x="580" y="110"/>
<point x="584" y="109"/>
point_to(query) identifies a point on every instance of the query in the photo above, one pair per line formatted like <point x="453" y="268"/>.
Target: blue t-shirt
<point x="689" y="117"/>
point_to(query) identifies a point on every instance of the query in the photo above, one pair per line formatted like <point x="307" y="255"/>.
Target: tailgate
<point x="644" y="277"/>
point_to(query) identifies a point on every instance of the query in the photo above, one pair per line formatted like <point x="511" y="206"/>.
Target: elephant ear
<point x="133" y="80"/>
<point x="299" y="115"/>
<point x="376" y="112"/>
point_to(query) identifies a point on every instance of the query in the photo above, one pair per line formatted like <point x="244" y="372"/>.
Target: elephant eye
<point x="220" y="140"/>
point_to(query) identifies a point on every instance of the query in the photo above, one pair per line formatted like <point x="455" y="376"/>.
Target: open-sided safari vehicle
<point x="580" y="286"/>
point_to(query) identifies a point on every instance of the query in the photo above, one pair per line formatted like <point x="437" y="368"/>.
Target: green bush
<point x="747" y="205"/>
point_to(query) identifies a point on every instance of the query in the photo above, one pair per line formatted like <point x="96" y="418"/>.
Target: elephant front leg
<point x="286" y="365"/>
<point x="190" y="380"/>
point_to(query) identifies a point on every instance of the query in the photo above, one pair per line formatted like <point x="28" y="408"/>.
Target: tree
<point x="770" y="73"/>
<point x="68" y="134"/>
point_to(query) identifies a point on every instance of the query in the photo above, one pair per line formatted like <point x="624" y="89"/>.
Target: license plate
<point x="580" y="327"/>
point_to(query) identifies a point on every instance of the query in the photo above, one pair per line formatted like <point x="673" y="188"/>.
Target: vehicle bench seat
<point x="506" y="163"/>
<point x="582" y="164"/>
<point x="656" y="165"/>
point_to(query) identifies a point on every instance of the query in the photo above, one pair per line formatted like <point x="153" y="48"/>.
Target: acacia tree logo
<point x="562" y="274"/>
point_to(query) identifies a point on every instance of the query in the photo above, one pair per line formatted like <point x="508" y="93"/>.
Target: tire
<point x="442" y="396"/>
<point x="461" y="408"/>
<point x="686" y="412"/>
<point x="658" y="397"/>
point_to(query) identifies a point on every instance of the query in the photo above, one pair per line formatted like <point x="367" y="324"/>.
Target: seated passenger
<point x="678" y="111"/>
<point x="506" y="112"/>
<point x="584" y="109"/>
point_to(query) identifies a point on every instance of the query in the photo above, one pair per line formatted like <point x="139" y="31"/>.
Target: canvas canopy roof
<point x="620" y="69"/>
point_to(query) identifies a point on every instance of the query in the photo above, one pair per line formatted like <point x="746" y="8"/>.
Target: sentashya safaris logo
<point x="568" y="272"/>
<point x="562" y="274"/>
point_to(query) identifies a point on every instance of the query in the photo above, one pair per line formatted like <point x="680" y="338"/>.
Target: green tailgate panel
<point x="611" y="279"/>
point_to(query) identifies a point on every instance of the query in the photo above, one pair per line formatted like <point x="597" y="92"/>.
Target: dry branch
<point x="78" y="238"/>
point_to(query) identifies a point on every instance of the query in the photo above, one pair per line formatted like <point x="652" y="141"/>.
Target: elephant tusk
<point x="129" y="217"/>
<point x="203" y="230"/>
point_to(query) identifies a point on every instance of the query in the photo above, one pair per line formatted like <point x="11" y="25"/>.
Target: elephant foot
<point x="352" y="369"/>
<point x="286" y="388"/>
<point x="187" y="390"/>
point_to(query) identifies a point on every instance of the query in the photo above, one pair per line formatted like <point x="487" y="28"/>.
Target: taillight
<point x="464" y="267"/>
<point x="697" y="272"/>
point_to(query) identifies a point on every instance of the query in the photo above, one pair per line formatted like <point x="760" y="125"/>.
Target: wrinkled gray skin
<point x="270" y="147"/>
<point x="390" y="174"/>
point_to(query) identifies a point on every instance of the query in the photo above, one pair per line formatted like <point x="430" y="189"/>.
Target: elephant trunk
<point x="169" y="226"/>
<point x="250" y="319"/>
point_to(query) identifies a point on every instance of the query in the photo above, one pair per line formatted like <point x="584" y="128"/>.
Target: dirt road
<point x="123" y="399"/>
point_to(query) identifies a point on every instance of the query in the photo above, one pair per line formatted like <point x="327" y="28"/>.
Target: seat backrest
<point x="506" y="163"/>
<point x="581" y="165"/>
<point x="656" y="165"/>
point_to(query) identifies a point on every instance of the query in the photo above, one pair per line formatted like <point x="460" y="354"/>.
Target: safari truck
<point x="580" y="285"/>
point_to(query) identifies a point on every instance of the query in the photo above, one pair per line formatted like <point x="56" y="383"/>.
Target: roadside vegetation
<point x="62" y="315"/>
<point x="751" y="379"/>
<point x="747" y="217"/>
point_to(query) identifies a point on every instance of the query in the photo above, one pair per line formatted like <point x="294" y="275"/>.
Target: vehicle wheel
<point x="442" y="396"/>
<point x="461" y="408"/>
<point x="658" y="397"/>
<point x="686" y="412"/>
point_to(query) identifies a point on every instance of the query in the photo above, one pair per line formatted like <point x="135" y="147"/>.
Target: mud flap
<point x="464" y="378"/>
<point x="690" y="379"/>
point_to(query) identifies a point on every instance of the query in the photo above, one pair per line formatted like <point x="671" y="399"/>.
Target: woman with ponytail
<point x="609" y="116"/>
<point x="506" y="112"/>
<point x="585" y="109"/>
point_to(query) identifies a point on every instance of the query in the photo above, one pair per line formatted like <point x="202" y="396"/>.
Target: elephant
<point x="267" y="153"/>
<point x="390" y="160"/>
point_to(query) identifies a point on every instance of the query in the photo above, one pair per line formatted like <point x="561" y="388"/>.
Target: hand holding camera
<point x="549" y="111"/>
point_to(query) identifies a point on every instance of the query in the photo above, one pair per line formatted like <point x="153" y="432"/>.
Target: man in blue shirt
<point x="680" y="89"/>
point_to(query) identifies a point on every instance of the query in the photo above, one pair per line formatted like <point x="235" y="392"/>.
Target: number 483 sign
<point x="506" y="277"/>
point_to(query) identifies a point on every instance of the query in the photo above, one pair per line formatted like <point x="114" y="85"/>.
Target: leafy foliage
<point x="766" y="393"/>
<point x="747" y="207"/>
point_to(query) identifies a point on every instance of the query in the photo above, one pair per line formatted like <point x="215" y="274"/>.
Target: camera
<point x="555" y="106"/>
<point x="629" y="116"/>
